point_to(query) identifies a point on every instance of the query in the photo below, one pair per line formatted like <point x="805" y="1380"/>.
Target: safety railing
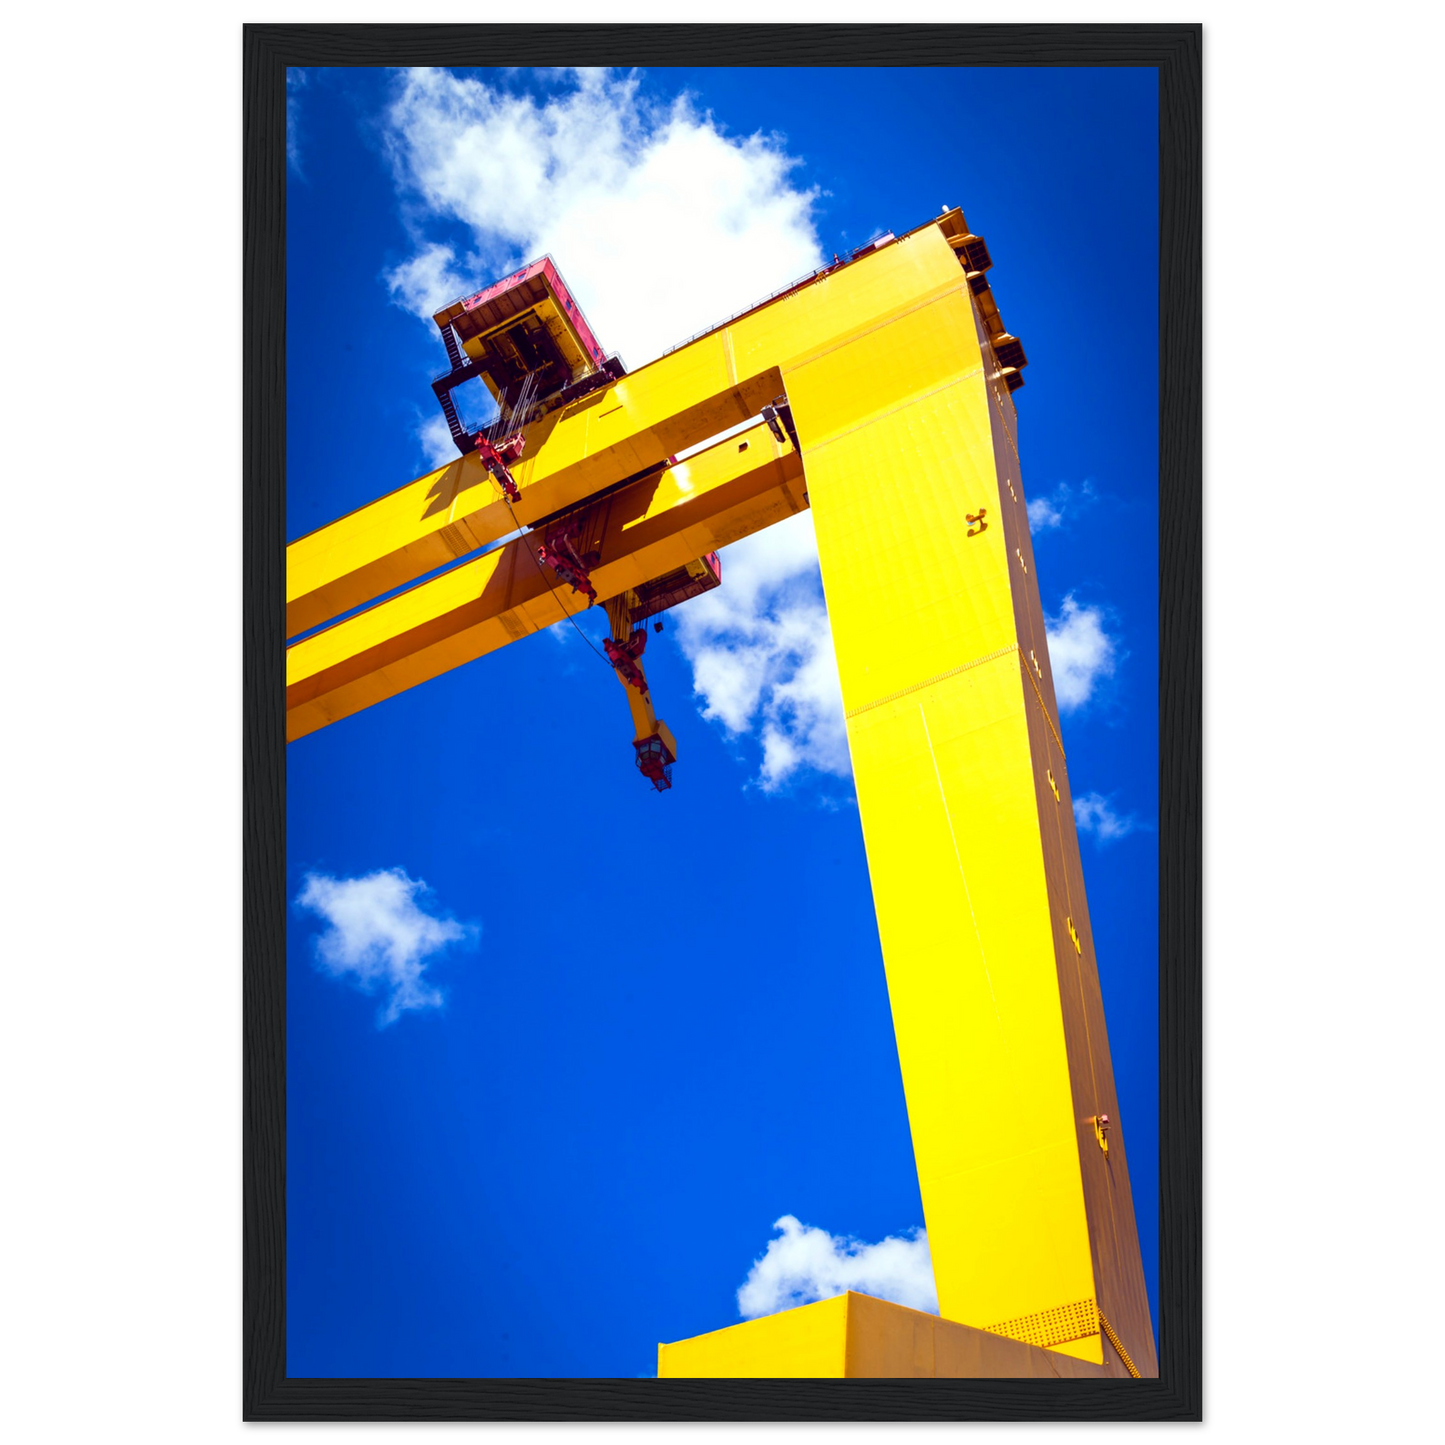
<point x="814" y="275"/>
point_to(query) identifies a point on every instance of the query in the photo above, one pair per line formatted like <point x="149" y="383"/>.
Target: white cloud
<point x="379" y="938"/>
<point x="1080" y="651"/>
<point x="808" y="1264"/>
<point x="1056" y="507"/>
<point x="295" y="79"/>
<point x="661" y="223"/>
<point x="1043" y="514"/>
<point x="1094" y="814"/>
<point x="436" y="441"/>
<point x="427" y="281"/>
<point x="762" y="655"/>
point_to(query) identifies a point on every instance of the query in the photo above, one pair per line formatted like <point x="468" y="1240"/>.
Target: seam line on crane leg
<point x="816" y="447"/>
<point x="931" y="681"/>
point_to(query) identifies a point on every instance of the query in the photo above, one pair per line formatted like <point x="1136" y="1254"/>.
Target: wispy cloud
<point x="1080" y="651"/>
<point x="425" y="282"/>
<point x="1094" y="813"/>
<point x="436" y="441"/>
<point x="808" y="1264"/>
<point x="1054" y="508"/>
<point x="380" y="938"/>
<point x="762" y="655"/>
<point x="295" y="79"/>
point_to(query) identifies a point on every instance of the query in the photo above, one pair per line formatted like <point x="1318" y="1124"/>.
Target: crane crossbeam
<point x="665" y="407"/>
<point x="644" y="531"/>
<point x="570" y="455"/>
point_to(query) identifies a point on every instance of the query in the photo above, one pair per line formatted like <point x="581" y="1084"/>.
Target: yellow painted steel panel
<point x="888" y="1342"/>
<point x="570" y="454"/>
<point x="962" y="906"/>
<point x="839" y="308"/>
<point x="855" y="1336"/>
<point x="805" y="1343"/>
<point x="899" y="451"/>
<point x="1090" y="1348"/>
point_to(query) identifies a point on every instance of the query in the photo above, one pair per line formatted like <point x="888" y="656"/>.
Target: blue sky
<point x="545" y="1110"/>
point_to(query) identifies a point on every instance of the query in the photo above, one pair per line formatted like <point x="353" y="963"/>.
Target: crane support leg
<point x="952" y="726"/>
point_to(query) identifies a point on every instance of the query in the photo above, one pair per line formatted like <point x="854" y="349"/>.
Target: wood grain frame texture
<point x="1175" y="50"/>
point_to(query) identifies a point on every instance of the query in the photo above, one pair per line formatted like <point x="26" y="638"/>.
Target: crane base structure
<point x="879" y="394"/>
<point x="854" y="1336"/>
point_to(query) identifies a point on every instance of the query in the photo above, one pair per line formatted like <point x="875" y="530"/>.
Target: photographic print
<point x="722" y="773"/>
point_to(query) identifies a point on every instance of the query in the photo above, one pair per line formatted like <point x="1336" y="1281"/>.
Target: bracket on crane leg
<point x="779" y="417"/>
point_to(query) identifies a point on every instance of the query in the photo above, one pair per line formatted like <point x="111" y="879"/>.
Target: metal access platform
<point x="527" y="324"/>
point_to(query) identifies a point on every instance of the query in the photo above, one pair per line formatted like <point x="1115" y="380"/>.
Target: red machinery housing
<point x="495" y="459"/>
<point x="525" y="325"/>
<point x="624" y="656"/>
<point x="527" y="340"/>
<point x="657" y="596"/>
<point x="654" y="761"/>
<point x="559" y="552"/>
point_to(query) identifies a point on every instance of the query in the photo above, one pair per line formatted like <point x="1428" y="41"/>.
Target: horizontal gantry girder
<point x="643" y="531"/>
<point x="665" y="407"/>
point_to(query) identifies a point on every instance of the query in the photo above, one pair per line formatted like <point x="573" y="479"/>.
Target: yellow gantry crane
<point x="878" y="392"/>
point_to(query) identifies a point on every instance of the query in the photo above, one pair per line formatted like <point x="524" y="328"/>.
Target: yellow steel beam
<point x="907" y="437"/>
<point x="643" y="532"/>
<point x="671" y="404"/>
<point x="571" y="454"/>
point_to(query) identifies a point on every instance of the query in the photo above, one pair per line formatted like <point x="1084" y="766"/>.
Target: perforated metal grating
<point x="1052" y="1327"/>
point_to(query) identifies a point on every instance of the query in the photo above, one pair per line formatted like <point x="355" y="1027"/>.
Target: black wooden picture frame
<point x="1175" y="50"/>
